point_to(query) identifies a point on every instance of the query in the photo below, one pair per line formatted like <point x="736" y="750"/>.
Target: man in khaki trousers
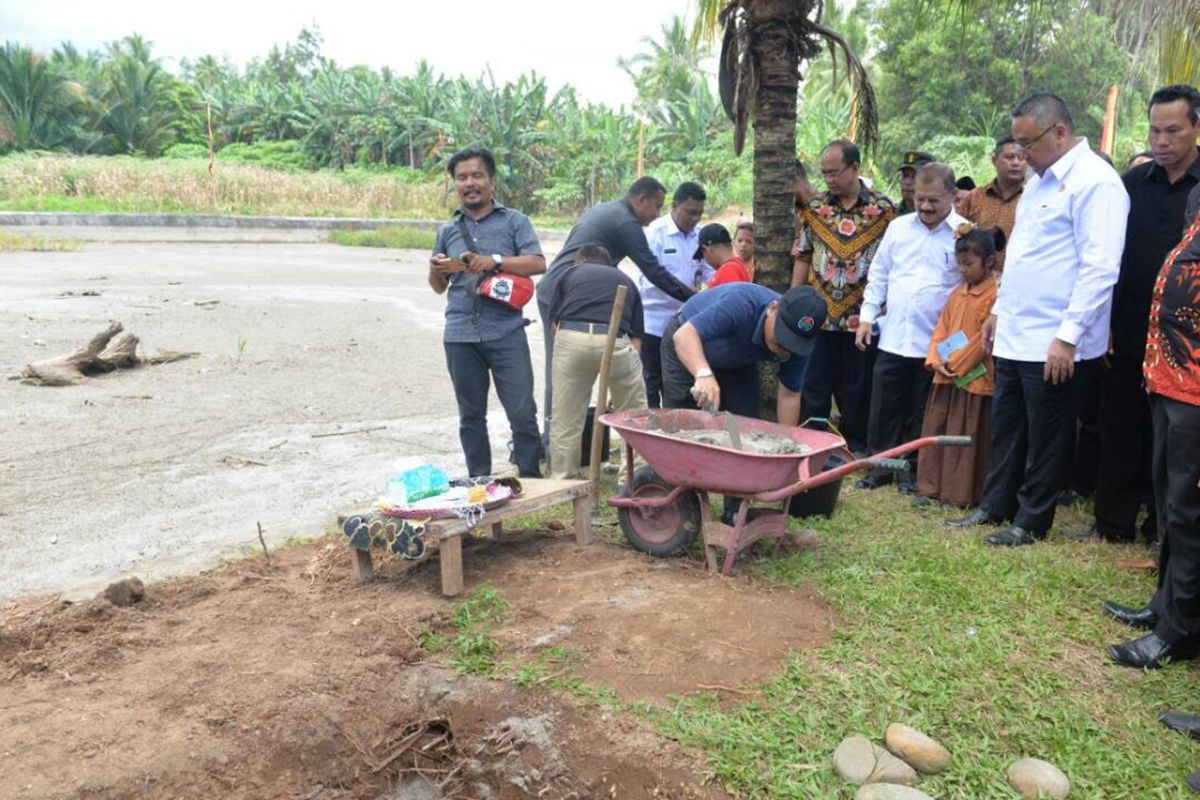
<point x="580" y="309"/>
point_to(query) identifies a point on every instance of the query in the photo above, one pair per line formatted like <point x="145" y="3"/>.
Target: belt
<point x="583" y="327"/>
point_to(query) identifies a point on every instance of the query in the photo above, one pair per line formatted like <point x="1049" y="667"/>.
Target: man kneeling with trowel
<point x="712" y="348"/>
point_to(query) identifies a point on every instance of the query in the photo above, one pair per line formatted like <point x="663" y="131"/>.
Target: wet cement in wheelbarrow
<point x="752" y="441"/>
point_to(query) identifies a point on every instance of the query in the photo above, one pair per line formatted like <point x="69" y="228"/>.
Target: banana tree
<point x="764" y="42"/>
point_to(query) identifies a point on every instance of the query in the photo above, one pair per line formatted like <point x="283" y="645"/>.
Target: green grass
<point x="469" y="642"/>
<point x="14" y="242"/>
<point x="404" y="237"/>
<point x="997" y="653"/>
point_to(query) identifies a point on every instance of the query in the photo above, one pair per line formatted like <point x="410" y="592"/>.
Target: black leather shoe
<point x="977" y="517"/>
<point x="1148" y="652"/>
<point x="1193" y="782"/>
<point x="907" y="488"/>
<point x="875" y="480"/>
<point x="1182" y="723"/>
<point x="1142" y="618"/>
<point x="921" y="502"/>
<point x="1012" y="536"/>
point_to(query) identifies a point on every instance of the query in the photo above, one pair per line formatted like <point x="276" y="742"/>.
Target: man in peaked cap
<point x="910" y="162"/>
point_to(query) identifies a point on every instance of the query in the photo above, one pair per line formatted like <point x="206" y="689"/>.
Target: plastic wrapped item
<point x="416" y="484"/>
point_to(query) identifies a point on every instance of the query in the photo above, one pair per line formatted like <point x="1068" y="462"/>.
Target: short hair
<point x="983" y="242"/>
<point x="467" y="153"/>
<point x="850" y="152"/>
<point x="936" y="172"/>
<point x="689" y="190"/>
<point x="1047" y="108"/>
<point x="801" y="170"/>
<point x="1136" y="156"/>
<point x="645" y="187"/>
<point x="593" y="254"/>
<point x="966" y="182"/>
<point x="744" y="225"/>
<point x="1178" y="91"/>
<point x="1001" y="143"/>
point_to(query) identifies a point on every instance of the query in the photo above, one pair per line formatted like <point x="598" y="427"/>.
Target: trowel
<point x="735" y="436"/>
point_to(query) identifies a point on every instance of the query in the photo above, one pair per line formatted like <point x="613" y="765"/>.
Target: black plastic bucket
<point x="821" y="500"/>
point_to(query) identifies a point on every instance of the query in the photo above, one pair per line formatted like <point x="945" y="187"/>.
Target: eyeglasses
<point x="831" y="174"/>
<point x="1026" y="145"/>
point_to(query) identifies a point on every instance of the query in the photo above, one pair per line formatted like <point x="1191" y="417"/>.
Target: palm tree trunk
<point x="774" y="50"/>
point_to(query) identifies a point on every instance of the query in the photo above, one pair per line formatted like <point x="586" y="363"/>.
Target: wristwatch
<point x="704" y="373"/>
<point x="499" y="259"/>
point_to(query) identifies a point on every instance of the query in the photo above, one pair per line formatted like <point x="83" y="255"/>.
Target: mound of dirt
<point x="290" y="680"/>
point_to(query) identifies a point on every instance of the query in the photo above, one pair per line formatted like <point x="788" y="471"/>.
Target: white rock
<point x="1035" y="779"/>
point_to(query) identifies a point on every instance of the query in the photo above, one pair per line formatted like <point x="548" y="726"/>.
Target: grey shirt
<point x="470" y="318"/>
<point x="1192" y="251"/>
<point x="614" y="226"/>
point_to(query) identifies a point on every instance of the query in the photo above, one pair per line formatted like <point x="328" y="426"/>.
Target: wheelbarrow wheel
<point x="664" y="531"/>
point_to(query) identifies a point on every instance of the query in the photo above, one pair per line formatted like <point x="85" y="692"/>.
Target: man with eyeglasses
<point x="1052" y="312"/>
<point x="842" y="229"/>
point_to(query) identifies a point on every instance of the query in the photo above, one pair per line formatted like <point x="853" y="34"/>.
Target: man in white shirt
<point x="674" y="240"/>
<point x="1052" y="312"/>
<point x="913" y="274"/>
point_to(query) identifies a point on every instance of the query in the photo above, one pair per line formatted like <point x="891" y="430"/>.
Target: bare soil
<point x="289" y="680"/>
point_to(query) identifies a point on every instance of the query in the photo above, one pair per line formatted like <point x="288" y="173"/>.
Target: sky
<point x="566" y="41"/>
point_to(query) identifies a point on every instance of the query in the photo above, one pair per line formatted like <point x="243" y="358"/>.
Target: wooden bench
<point x="538" y="494"/>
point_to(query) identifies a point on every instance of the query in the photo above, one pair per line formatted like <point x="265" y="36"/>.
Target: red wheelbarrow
<point x="664" y="506"/>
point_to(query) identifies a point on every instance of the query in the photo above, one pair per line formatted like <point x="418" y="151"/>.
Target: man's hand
<point x="474" y="262"/>
<point x="862" y="337"/>
<point x="707" y="393"/>
<point x="441" y="265"/>
<point x="1060" y="362"/>
<point x="943" y="369"/>
<point x="989" y="333"/>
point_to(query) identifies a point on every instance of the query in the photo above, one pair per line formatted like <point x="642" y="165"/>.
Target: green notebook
<point x="979" y="371"/>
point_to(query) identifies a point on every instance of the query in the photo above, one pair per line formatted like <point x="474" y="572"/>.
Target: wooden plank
<point x="363" y="569"/>
<point x="539" y="494"/>
<point x="450" y="558"/>
<point x="583" y="520"/>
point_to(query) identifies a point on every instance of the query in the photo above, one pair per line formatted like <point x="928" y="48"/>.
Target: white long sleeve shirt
<point x="1063" y="260"/>
<point x="674" y="250"/>
<point x="914" y="272"/>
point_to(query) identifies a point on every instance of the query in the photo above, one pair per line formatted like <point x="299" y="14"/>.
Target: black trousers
<point x="837" y="370"/>
<point x="652" y="369"/>
<point x="740" y="391"/>
<point x="1123" y="479"/>
<point x="548" y="372"/>
<point x="1084" y="464"/>
<point x="899" y="389"/>
<point x="1031" y="444"/>
<point x="1176" y="470"/>
<point x="473" y="367"/>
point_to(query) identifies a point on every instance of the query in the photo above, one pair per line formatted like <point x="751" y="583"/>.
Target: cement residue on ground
<point x="752" y="441"/>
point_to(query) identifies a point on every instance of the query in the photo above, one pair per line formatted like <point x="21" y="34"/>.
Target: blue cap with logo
<point x="801" y="314"/>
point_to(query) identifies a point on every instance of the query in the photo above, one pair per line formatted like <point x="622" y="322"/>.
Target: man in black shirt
<point x="619" y="227"/>
<point x="580" y="309"/>
<point x="1158" y="194"/>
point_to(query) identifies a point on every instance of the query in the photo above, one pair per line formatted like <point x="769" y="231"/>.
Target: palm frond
<point x="868" y="107"/>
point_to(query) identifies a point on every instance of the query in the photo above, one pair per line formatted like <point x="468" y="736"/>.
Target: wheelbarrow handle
<point x="954" y="441"/>
<point x="893" y="464"/>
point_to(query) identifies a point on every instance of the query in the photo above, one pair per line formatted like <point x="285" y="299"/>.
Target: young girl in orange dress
<point x="960" y="401"/>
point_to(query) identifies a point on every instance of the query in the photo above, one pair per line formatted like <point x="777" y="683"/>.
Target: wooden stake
<point x="263" y="542"/>
<point x="614" y="324"/>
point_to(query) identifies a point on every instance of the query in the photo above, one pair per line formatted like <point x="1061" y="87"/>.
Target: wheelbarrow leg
<point x="735" y="538"/>
<point x="710" y="550"/>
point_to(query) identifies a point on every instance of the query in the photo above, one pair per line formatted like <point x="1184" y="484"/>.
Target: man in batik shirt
<point x="842" y="229"/>
<point x="1172" y="372"/>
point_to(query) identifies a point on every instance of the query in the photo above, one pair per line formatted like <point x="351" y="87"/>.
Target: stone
<point x="889" y="791"/>
<point x="1035" y="779"/>
<point x="858" y="760"/>
<point x="925" y="754"/>
<point x="125" y="592"/>
<point x="854" y="759"/>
